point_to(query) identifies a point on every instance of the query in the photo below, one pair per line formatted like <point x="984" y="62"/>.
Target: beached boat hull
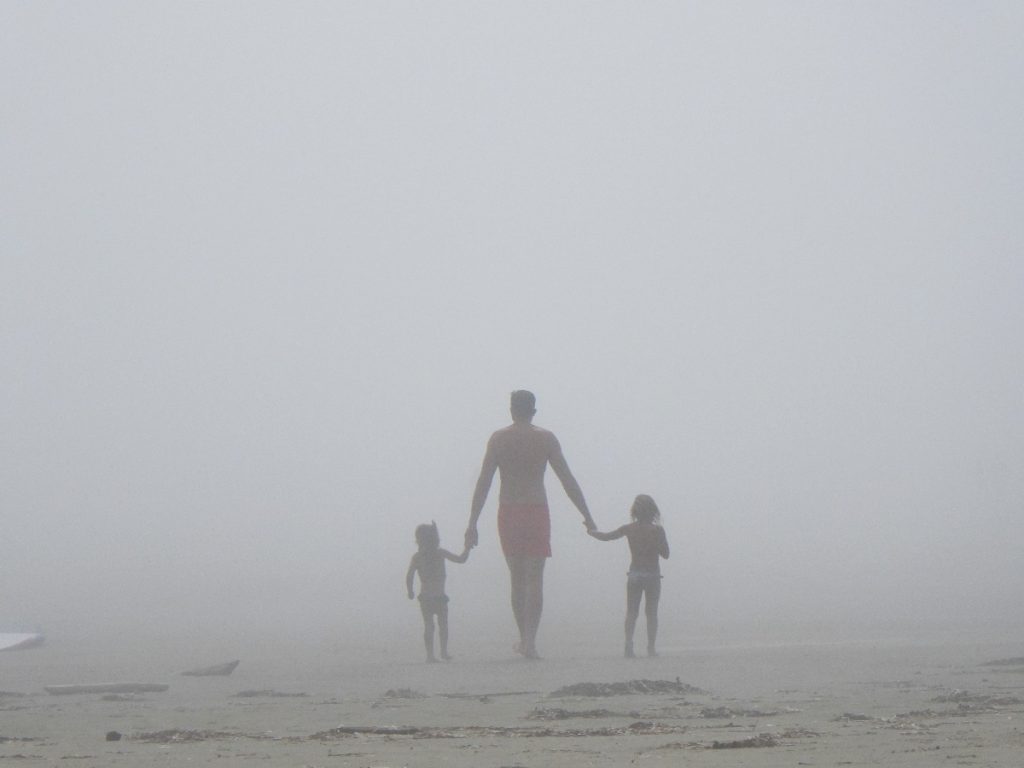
<point x="16" y="641"/>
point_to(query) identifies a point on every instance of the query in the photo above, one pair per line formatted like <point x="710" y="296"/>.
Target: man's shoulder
<point x="520" y="431"/>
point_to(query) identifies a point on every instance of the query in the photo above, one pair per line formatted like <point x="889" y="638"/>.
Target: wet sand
<point x="884" y="703"/>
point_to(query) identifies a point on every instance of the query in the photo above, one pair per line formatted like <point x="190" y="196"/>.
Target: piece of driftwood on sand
<point x="107" y="688"/>
<point x="217" y="669"/>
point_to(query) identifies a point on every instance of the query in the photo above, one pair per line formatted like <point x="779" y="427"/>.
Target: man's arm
<point x="409" y="577"/>
<point x="572" y="488"/>
<point x="663" y="543"/>
<point x="483" y="487"/>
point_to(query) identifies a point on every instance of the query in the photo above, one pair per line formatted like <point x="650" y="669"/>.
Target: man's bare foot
<point x="446" y="657"/>
<point x="517" y="647"/>
<point x="651" y="652"/>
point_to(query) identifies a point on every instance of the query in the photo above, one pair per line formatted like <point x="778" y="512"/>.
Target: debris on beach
<point x="681" y="745"/>
<point x="918" y="714"/>
<point x="911" y="721"/>
<point x="798" y="733"/>
<point x="851" y="716"/>
<point x="627" y="688"/>
<point x="1017" y="661"/>
<point x="370" y="730"/>
<point x="267" y="693"/>
<point x="217" y="670"/>
<point x="113" y="735"/>
<point x="761" y="740"/>
<point x="485" y="696"/>
<point x="958" y="696"/>
<point x="180" y="735"/>
<point x="403" y="693"/>
<point x="725" y="713"/>
<point x="59" y="690"/>
<point x="643" y="728"/>
<point x="565" y="714"/>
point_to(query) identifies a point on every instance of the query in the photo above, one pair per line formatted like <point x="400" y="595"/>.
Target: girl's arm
<point x="409" y="577"/>
<point x="662" y="543"/>
<point x="618" y="533"/>
<point x="455" y="558"/>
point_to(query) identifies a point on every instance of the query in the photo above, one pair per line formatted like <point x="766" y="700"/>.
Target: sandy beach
<point x="888" y="702"/>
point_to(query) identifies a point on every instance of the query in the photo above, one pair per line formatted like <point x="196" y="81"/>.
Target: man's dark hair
<point x="523" y="403"/>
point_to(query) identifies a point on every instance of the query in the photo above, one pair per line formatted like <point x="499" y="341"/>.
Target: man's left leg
<point x="517" y="584"/>
<point x="533" y="602"/>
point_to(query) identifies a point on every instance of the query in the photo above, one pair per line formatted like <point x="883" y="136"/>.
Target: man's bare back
<point x="522" y="452"/>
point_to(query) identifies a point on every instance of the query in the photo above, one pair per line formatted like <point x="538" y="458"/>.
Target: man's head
<point x="523" y="405"/>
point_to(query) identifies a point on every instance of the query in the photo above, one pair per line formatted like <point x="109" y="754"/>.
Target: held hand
<point x="592" y="532"/>
<point x="589" y="524"/>
<point x="411" y="594"/>
<point x="472" y="538"/>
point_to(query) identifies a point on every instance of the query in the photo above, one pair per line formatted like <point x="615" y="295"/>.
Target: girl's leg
<point x="442" y="631"/>
<point x="651" y="609"/>
<point x="633" y="594"/>
<point x="428" y="631"/>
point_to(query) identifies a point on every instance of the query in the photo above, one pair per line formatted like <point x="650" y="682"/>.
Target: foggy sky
<point x="269" y="272"/>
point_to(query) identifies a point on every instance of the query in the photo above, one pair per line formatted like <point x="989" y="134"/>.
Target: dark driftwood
<point x="217" y="669"/>
<point x="107" y="688"/>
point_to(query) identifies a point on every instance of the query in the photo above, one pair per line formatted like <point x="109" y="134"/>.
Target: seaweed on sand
<point x="627" y="688"/>
<point x="761" y="740"/>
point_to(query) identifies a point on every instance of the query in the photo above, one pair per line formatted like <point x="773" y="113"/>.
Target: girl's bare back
<point x="647" y="544"/>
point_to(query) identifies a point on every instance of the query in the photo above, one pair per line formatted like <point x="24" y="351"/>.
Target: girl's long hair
<point x="644" y="509"/>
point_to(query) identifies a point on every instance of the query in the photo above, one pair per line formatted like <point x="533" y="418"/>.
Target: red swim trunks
<point x="524" y="530"/>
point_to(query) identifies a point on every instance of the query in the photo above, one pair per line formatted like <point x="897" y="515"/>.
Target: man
<point x="521" y="452"/>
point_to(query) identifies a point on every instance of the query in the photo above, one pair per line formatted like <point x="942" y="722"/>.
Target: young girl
<point x="647" y="543"/>
<point x="429" y="563"/>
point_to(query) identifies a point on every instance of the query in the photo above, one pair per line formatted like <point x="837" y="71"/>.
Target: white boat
<point x="217" y="669"/>
<point x="14" y="641"/>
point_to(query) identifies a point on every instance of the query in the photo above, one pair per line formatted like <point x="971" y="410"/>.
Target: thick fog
<point x="270" y="271"/>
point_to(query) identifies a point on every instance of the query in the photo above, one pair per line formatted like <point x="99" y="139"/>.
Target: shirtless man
<point x="521" y="452"/>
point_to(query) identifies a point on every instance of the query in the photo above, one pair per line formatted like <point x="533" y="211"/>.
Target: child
<point x="429" y="563"/>
<point x="647" y="543"/>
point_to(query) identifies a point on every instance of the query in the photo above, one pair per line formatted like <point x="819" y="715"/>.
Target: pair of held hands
<point x="472" y="538"/>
